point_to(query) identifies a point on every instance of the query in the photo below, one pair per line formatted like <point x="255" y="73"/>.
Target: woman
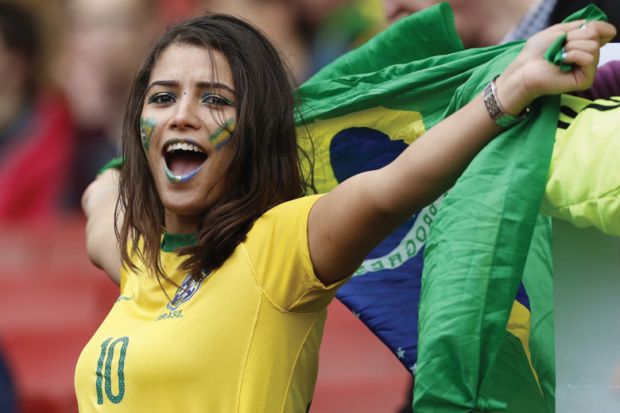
<point x="226" y="272"/>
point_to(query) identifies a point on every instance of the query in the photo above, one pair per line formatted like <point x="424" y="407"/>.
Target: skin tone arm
<point x="98" y="203"/>
<point x="347" y="223"/>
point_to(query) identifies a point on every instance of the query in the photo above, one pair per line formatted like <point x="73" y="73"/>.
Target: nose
<point x="185" y="115"/>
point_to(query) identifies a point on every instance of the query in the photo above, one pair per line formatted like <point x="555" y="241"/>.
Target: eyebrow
<point x="202" y="85"/>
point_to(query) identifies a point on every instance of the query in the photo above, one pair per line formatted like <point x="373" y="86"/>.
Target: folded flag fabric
<point x="358" y="114"/>
<point x="474" y="262"/>
<point x="487" y="238"/>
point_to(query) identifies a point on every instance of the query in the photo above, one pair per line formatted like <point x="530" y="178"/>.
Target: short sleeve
<point x="277" y="247"/>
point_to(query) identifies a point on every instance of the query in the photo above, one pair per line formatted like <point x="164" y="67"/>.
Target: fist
<point x="530" y="75"/>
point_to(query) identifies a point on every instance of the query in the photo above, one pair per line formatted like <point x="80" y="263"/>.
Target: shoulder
<point x="294" y="206"/>
<point x="279" y="238"/>
<point x="278" y="252"/>
<point x="288" y="213"/>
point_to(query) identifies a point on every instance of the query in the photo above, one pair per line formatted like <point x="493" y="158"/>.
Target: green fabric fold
<point x="487" y="237"/>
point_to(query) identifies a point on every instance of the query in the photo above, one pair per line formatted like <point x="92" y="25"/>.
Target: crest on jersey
<point x="186" y="290"/>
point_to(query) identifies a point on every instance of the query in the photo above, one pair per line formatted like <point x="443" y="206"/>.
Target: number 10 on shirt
<point x="104" y="369"/>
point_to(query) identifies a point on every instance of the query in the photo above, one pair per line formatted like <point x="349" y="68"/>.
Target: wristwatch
<point x="495" y="109"/>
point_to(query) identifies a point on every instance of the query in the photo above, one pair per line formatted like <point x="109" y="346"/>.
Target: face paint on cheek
<point x="223" y="134"/>
<point x="147" y="127"/>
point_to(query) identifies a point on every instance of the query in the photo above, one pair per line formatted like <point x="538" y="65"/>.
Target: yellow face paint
<point x="222" y="135"/>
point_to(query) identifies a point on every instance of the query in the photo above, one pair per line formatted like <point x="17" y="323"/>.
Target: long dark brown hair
<point x="265" y="169"/>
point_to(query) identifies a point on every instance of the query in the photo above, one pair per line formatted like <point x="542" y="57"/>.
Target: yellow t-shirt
<point x="245" y="339"/>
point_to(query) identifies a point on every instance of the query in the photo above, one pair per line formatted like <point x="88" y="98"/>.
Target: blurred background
<point x="66" y="67"/>
<point x="587" y="313"/>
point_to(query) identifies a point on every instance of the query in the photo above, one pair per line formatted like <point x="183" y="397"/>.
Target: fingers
<point x="581" y="58"/>
<point x="581" y="52"/>
<point x="586" y="45"/>
<point x="602" y="32"/>
<point x="568" y="27"/>
<point x="610" y="35"/>
<point x="606" y="31"/>
<point x="583" y="44"/>
<point x="574" y="25"/>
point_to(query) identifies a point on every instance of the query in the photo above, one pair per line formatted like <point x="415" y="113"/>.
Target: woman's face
<point x="185" y="126"/>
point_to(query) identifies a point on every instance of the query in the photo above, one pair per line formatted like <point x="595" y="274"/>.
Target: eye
<point x="162" y="98"/>
<point x="216" y="100"/>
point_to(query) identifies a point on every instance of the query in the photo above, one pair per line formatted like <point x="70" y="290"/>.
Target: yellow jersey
<point x="244" y="339"/>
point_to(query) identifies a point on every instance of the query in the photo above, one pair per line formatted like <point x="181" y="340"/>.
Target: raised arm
<point x="347" y="223"/>
<point x="99" y="203"/>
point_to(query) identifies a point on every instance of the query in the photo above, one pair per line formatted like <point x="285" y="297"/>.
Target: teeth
<point x="183" y="146"/>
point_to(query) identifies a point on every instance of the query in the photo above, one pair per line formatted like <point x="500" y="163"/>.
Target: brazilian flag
<point x="479" y="335"/>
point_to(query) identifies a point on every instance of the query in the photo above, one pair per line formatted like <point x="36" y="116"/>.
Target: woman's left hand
<point x="530" y="75"/>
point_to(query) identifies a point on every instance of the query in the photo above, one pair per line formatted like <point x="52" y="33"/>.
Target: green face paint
<point x="147" y="127"/>
<point x="221" y="136"/>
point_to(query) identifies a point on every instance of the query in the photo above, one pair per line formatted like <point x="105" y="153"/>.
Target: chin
<point x="185" y="207"/>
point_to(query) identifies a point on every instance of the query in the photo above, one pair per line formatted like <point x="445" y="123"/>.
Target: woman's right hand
<point x="530" y="75"/>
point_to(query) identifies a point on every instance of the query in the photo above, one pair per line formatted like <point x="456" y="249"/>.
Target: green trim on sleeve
<point x="114" y="163"/>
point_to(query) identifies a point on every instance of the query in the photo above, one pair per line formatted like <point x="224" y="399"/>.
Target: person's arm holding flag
<point x="348" y="222"/>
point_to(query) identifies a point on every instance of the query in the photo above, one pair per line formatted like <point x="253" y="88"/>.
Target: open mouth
<point x="183" y="160"/>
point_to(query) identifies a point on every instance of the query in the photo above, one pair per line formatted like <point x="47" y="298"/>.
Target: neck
<point x="181" y="224"/>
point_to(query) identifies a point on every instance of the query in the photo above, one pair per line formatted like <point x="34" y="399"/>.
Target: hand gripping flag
<point x="358" y="114"/>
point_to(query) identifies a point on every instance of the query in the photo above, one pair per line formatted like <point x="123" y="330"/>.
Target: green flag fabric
<point x="475" y="259"/>
<point x="403" y="93"/>
<point x="487" y="236"/>
<point x="392" y="89"/>
<point x="477" y="254"/>
<point x="405" y="76"/>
